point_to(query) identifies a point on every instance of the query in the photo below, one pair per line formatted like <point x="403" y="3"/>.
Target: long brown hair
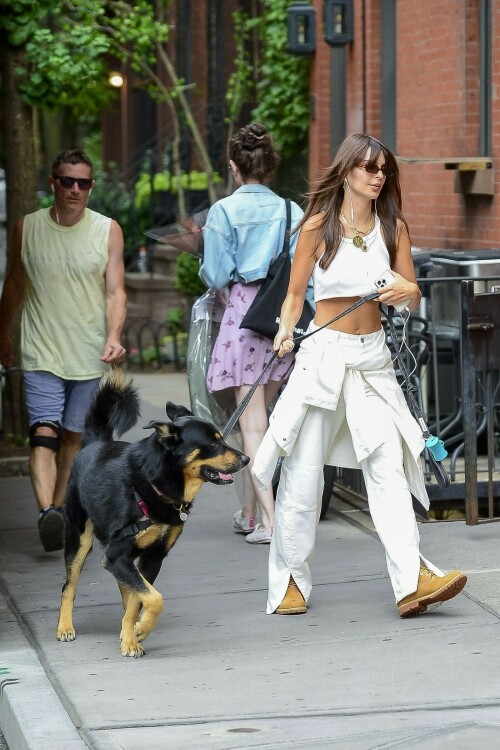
<point x="328" y="195"/>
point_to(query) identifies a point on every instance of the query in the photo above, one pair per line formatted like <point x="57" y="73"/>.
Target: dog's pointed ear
<point x="175" y="410"/>
<point x="163" y="429"/>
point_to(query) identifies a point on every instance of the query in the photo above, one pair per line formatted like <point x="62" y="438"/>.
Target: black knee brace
<point x="44" y="441"/>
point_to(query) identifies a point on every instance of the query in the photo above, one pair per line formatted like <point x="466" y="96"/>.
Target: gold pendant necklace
<point x="357" y="240"/>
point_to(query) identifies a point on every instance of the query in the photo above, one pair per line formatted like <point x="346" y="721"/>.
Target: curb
<point x="31" y="714"/>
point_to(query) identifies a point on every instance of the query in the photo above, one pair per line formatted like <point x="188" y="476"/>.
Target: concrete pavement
<point x="219" y="673"/>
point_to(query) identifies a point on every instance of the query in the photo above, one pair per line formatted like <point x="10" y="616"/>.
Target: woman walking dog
<point x="343" y="405"/>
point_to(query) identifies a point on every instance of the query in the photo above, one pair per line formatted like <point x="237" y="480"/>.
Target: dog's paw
<point x="66" y="634"/>
<point x="132" y="648"/>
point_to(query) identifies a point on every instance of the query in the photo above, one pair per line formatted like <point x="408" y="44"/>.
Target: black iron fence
<point x="454" y="357"/>
<point x="152" y="344"/>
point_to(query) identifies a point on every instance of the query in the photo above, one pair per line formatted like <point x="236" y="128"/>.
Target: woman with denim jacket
<point x="243" y="234"/>
<point x="343" y="405"/>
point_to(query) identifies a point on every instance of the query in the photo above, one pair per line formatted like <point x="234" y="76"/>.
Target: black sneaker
<point x="51" y="529"/>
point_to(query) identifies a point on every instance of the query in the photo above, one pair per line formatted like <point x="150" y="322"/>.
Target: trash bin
<point x="422" y="261"/>
<point x="444" y="311"/>
<point x="456" y="264"/>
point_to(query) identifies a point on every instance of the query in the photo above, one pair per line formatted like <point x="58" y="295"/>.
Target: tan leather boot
<point x="431" y="589"/>
<point x="293" y="602"/>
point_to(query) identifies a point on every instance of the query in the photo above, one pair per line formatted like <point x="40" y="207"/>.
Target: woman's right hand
<point x="283" y="341"/>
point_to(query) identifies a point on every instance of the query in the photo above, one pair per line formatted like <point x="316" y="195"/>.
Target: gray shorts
<point x="65" y="401"/>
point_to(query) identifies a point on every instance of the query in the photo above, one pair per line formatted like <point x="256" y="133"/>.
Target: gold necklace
<point x="357" y="240"/>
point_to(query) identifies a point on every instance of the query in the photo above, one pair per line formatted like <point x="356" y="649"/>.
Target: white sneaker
<point x="261" y="535"/>
<point x="243" y="524"/>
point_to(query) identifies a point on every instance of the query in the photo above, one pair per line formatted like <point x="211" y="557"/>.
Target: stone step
<point x="151" y="295"/>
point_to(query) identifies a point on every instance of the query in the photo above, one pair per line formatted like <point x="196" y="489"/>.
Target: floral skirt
<point x="240" y="355"/>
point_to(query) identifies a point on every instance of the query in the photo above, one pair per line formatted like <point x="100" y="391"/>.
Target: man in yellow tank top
<point x="66" y="272"/>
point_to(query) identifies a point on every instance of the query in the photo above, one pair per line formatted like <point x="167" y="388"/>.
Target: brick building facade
<point x="424" y="77"/>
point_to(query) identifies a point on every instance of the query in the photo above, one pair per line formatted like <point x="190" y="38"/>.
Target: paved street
<point x="218" y="672"/>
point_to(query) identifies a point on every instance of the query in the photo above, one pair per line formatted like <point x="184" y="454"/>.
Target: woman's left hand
<point x="283" y="341"/>
<point x="399" y="291"/>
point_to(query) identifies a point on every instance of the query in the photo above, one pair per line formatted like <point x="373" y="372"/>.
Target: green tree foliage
<point x="69" y="44"/>
<point x="282" y="89"/>
<point x="240" y="83"/>
<point x="264" y="70"/>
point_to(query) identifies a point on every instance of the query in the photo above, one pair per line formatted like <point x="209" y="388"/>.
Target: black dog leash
<point x="440" y="472"/>
<point x="244" y="403"/>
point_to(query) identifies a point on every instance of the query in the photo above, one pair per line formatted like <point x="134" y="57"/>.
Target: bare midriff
<point x="365" y="319"/>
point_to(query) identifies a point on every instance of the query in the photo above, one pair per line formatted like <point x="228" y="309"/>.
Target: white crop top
<point x="352" y="272"/>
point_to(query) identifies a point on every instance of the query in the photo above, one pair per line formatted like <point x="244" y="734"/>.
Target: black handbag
<point x="263" y="314"/>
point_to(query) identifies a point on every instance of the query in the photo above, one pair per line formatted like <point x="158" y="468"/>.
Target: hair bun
<point x="253" y="151"/>
<point x="254" y="136"/>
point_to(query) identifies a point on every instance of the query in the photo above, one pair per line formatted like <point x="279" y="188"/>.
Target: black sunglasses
<point x="84" y="183"/>
<point x="373" y="168"/>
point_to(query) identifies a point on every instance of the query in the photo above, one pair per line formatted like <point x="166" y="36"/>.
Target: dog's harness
<point x="134" y="528"/>
<point x="141" y="525"/>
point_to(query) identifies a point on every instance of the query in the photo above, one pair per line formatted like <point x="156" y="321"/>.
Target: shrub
<point x="187" y="280"/>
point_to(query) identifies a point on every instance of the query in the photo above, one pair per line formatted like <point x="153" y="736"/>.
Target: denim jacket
<point x="243" y="234"/>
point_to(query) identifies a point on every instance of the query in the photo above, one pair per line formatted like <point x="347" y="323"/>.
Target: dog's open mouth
<point x="216" y="477"/>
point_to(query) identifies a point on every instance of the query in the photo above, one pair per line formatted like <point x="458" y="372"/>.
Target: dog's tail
<point x="114" y="409"/>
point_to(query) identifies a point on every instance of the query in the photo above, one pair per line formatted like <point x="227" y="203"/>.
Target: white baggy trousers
<point x="298" y="501"/>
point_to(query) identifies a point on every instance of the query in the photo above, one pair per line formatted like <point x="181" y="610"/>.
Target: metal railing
<point x="481" y="399"/>
<point x="457" y="373"/>
<point x="153" y="344"/>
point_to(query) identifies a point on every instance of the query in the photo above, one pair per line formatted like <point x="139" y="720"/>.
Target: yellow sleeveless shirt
<point x="63" y="323"/>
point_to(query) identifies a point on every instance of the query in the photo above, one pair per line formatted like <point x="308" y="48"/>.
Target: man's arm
<point x="12" y="295"/>
<point x="116" y="300"/>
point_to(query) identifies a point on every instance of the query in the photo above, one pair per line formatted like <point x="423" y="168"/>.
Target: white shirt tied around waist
<point x="320" y="377"/>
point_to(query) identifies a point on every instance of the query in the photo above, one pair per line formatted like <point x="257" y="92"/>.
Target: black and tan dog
<point x="135" y="498"/>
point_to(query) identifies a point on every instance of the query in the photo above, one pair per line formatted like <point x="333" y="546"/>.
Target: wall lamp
<point x="301" y="23"/>
<point x="116" y="79"/>
<point x="338" y="21"/>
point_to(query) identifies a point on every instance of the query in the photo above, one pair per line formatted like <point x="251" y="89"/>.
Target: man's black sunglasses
<point x="373" y="168"/>
<point x="84" y="183"/>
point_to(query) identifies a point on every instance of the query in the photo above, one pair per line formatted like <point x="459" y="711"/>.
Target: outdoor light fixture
<point x="301" y="29"/>
<point x="338" y="22"/>
<point x="116" y="79"/>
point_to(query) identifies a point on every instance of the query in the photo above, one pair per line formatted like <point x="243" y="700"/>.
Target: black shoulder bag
<point x="263" y="314"/>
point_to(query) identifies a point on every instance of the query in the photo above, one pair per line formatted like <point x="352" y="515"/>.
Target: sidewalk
<point x="218" y="673"/>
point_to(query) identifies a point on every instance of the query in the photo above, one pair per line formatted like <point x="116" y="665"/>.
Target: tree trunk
<point x="17" y="119"/>
<point x="20" y="176"/>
